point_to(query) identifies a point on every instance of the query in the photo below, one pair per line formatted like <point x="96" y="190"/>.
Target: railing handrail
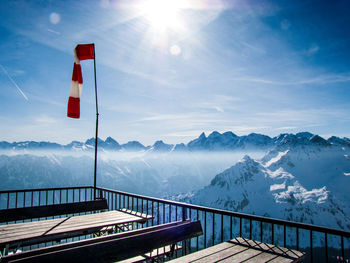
<point x="311" y="227"/>
<point x="44" y="189"/>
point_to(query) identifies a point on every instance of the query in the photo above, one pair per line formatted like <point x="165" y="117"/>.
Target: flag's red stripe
<point x="85" y="51"/>
<point x="73" y="110"/>
<point x="77" y="76"/>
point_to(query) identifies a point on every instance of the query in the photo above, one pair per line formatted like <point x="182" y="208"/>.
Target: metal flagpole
<point x="96" y="134"/>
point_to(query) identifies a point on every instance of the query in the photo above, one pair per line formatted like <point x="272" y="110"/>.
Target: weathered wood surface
<point x="59" y="228"/>
<point x="156" y="253"/>
<point x="242" y="250"/>
<point x="23" y="213"/>
<point x="114" y="247"/>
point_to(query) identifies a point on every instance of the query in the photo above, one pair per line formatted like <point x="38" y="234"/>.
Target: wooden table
<point x="243" y="250"/>
<point x="28" y="233"/>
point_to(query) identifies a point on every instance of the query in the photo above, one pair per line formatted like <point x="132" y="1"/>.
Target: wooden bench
<point x="13" y="236"/>
<point x="23" y="213"/>
<point x="113" y="247"/>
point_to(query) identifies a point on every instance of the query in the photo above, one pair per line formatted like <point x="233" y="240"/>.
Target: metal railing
<point x="321" y="244"/>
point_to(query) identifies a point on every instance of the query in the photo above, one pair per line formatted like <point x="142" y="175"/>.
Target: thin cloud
<point x="287" y="128"/>
<point x="53" y="31"/>
<point x="14" y="83"/>
<point x="43" y="119"/>
<point x="321" y="79"/>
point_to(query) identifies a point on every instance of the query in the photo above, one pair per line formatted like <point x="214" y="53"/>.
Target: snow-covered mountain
<point x="304" y="178"/>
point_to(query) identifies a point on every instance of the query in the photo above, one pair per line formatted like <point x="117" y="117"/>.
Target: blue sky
<point x="246" y="66"/>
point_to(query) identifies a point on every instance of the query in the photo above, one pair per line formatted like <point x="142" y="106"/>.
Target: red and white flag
<point x="81" y="52"/>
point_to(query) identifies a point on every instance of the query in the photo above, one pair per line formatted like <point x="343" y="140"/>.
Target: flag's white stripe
<point x="75" y="89"/>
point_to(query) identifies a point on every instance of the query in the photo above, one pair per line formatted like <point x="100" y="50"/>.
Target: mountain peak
<point x="202" y="136"/>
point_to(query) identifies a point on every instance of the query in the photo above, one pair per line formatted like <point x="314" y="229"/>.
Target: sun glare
<point x="163" y="14"/>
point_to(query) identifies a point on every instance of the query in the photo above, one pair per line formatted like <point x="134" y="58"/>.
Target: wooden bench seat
<point x="23" y="213"/>
<point x="114" y="247"/>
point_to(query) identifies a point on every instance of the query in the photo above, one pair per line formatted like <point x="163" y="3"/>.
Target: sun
<point x="163" y="15"/>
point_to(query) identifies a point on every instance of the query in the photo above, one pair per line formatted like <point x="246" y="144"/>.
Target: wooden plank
<point x="152" y="255"/>
<point x="113" y="247"/>
<point x="234" y="254"/>
<point x="48" y="230"/>
<point x="264" y="257"/>
<point x="14" y="214"/>
<point x="203" y="253"/>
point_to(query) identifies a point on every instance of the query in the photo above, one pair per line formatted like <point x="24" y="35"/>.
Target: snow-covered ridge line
<point x="227" y="141"/>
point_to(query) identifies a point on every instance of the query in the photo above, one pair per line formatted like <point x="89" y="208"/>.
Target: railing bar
<point x="222" y="228"/>
<point x="16" y="199"/>
<point x="53" y="197"/>
<point x="128" y="202"/>
<point x="326" y="245"/>
<point x="142" y="206"/>
<point x="261" y="231"/>
<point x="213" y="241"/>
<point x="110" y="202"/>
<point x="176" y="213"/>
<point x="32" y="197"/>
<point x="79" y="195"/>
<point x="85" y="194"/>
<point x="67" y="196"/>
<point x="240" y="226"/>
<point x="169" y="213"/>
<point x="61" y="196"/>
<point x="197" y="241"/>
<point x="73" y="195"/>
<point x="250" y="229"/>
<point x="120" y="201"/>
<point x="157" y="213"/>
<point x="231" y="228"/>
<point x="297" y="229"/>
<point x="24" y="199"/>
<point x="163" y="213"/>
<point x="8" y="201"/>
<point x="205" y="229"/>
<point x="147" y="211"/>
<point x="39" y="198"/>
<point x="152" y="213"/>
<point x="132" y="204"/>
<point x="342" y="249"/>
<point x="284" y="235"/>
<point x="273" y="234"/>
<point x="311" y="249"/>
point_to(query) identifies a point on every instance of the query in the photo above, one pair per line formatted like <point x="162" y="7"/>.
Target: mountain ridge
<point x="227" y="141"/>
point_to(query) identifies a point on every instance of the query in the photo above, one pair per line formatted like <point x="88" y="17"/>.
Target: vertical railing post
<point x="184" y="213"/>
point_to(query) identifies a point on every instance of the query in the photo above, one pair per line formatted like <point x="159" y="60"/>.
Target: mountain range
<point x="216" y="141"/>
